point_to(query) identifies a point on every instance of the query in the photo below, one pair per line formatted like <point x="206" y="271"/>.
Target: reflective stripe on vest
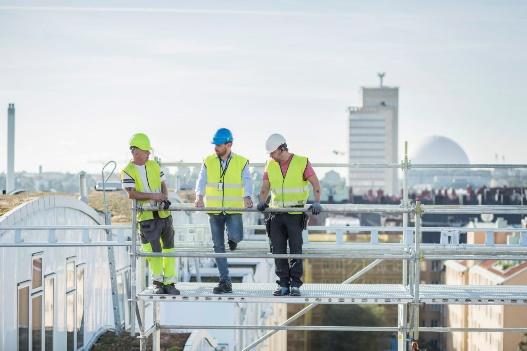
<point x="153" y="171"/>
<point x="291" y="189"/>
<point x="225" y="186"/>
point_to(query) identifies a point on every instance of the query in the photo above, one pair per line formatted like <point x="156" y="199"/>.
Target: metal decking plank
<point x="474" y="294"/>
<point x="311" y="293"/>
<point x="349" y="294"/>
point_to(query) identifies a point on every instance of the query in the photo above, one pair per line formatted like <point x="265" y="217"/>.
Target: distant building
<point x="438" y="149"/>
<point x="373" y="138"/>
<point x="487" y="272"/>
<point x="333" y="188"/>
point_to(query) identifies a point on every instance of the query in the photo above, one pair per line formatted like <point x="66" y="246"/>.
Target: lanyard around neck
<point x="224" y="170"/>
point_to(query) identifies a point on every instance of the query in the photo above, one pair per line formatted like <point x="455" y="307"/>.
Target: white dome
<point x="439" y="149"/>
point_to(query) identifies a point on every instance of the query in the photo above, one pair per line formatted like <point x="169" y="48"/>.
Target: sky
<point x="86" y="75"/>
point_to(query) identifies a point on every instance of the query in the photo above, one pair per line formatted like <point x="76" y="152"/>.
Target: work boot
<point x="171" y="289"/>
<point x="223" y="288"/>
<point x="232" y="245"/>
<point x="281" y="291"/>
<point x="159" y="288"/>
<point x="295" y="291"/>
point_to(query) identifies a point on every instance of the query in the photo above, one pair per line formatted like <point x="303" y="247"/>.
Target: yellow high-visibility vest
<point x="153" y="171"/>
<point x="225" y="186"/>
<point x="289" y="190"/>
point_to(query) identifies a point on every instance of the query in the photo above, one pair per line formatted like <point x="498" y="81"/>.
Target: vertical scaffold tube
<point x="133" y="270"/>
<point x="403" y="308"/>
<point x="417" y="271"/>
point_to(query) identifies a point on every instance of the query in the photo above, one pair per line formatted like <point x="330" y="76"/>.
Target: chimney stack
<point x="10" y="178"/>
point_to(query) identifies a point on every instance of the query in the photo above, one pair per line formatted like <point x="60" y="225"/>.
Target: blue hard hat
<point x="222" y="136"/>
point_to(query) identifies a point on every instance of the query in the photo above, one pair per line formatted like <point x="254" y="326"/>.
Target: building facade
<point x="486" y="272"/>
<point x="373" y="138"/>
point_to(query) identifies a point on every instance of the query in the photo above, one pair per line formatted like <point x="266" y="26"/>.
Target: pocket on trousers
<point x="146" y="226"/>
<point x="148" y="230"/>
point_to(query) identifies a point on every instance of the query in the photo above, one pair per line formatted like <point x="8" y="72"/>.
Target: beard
<point x="221" y="153"/>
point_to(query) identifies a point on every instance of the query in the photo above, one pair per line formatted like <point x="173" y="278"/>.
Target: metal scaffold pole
<point x="416" y="260"/>
<point x="156" y="335"/>
<point x="402" y="314"/>
<point x="133" y="267"/>
<point x="110" y="249"/>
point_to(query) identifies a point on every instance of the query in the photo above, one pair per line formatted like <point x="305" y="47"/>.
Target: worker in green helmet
<point x="144" y="180"/>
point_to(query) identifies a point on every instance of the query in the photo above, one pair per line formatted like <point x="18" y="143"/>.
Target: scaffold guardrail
<point x="412" y="293"/>
<point x="408" y="295"/>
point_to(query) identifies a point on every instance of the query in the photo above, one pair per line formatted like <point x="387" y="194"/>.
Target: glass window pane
<point x="80" y="307"/>
<point x="49" y="312"/>
<point x="37" y="323"/>
<point x="70" y="275"/>
<point x="23" y="318"/>
<point x="37" y="273"/>
<point x="70" y="321"/>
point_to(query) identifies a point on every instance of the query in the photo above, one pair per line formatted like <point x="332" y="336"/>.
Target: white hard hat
<point x="273" y="142"/>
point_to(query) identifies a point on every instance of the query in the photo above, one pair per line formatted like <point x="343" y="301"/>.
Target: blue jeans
<point x="234" y="225"/>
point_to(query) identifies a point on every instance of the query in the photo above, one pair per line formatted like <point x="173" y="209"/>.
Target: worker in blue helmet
<point x="225" y="182"/>
<point x="222" y="136"/>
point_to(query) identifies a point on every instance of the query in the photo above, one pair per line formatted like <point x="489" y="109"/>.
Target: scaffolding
<point x="408" y="295"/>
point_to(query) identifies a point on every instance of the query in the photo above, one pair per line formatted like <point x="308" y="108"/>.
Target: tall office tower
<point x="373" y="138"/>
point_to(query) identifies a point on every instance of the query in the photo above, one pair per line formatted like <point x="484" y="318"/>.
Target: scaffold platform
<point x="311" y="293"/>
<point x="348" y="294"/>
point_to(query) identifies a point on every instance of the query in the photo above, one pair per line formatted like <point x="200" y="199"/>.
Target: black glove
<point x="315" y="208"/>
<point x="261" y="206"/>
<point x="165" y="205"/>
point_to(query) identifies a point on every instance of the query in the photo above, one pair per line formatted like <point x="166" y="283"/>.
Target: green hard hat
<point x="140" y="141"/>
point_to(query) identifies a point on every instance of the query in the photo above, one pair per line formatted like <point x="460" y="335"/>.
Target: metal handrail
<point x="361" y="208"/>
<point x="381" y="165"/>
<point x="104" y="180"/>
<point x="329" y="229"/>
<point x="340" y="328"/>
<point x="65" y="227"/>
<point x="350" y="254"/>
<point x="333" y="208"/>
<point x="319" y="164"/>
<point x="474" y="209"/>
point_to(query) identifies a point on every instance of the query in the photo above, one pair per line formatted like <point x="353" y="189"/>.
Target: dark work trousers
<point x="287" y="228"/>
<point x="153" y="230"/>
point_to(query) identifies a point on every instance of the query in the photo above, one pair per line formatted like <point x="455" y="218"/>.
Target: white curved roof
<point x="22" y="214"/>
<point x="439" y="149"/>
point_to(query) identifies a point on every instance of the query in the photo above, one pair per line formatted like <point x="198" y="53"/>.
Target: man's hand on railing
<point x="315" y="208"/>
<point x="248" y="202"/>
<point x="262" y="206"/>
<point x="199" y="201"/>
<point x="165" y="205"/>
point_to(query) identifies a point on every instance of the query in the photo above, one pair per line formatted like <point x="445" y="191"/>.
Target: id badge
<point x="220" y="186"/>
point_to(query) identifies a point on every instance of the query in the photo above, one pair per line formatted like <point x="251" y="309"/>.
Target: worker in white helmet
<point x="287" y="176"/>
